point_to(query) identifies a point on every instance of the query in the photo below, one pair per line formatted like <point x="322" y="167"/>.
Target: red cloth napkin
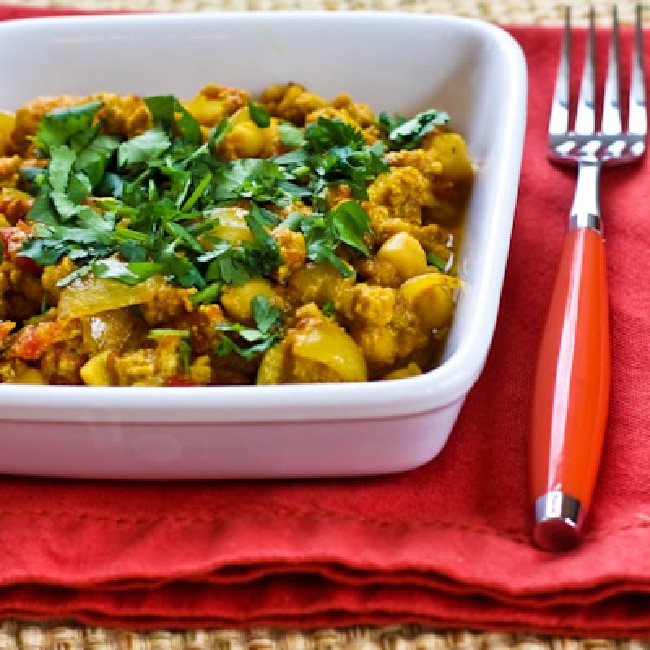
<point x="447" y="544"/>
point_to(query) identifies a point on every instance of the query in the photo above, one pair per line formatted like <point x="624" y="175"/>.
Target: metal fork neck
<point x="585" y="211"/>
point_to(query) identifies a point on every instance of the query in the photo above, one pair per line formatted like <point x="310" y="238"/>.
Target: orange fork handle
<point x="572" y="380"/>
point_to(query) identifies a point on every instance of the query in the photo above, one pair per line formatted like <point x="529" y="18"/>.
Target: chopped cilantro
<point x="290" y="135"/>
<point x="407" y="134"/>
<point x="218" y="133"/>
<point x="350" y="223"/>
<point x="335" y="153"/>
<point x="323" y="232"/>
<point x="160" y="332"/>
<point x="159" y="190"/>
<point x="132" y="273"/>
<point x="267" y="316"/>
<point x="439" y="262"/>
<point x="143" y="148"/>
<point x="61" y="126"/>
<point x="165" y="110"/>
<point x="208" y="295"/>
<point x="259" y="114"/>
<point x="268" y="319"/>
<point x="184" y="344"/>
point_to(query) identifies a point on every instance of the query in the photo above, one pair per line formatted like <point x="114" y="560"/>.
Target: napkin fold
<point x="446" y="545"/>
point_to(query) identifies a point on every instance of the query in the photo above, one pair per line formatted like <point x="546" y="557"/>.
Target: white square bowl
<point x="395" y="62"/>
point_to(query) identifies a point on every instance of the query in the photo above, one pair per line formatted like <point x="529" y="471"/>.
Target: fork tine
<point x="611" y="121"/>
<point x="586" y="111"/>
<point x="638" y="116"/>
<point x="559" y="120"/>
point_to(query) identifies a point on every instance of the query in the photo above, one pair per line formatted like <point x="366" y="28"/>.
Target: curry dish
<point x="226" y="239"/>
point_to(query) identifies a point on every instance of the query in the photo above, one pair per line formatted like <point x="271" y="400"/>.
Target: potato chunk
<point x="431" y="297"/>
<point x="316" y="350"/>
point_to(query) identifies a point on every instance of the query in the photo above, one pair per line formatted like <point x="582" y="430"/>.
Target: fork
<point x="572" y="378"/>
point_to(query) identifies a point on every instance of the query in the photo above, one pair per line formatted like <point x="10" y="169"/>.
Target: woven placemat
<point x="18" y="635"/>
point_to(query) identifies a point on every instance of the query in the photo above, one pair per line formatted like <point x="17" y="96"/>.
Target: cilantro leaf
<point x="266" y="315"/>
<point x="165" y="109"/>
<point x="258" y="219"/>
<point x="250" y="178"/>
<point x="118" y="271"/>
<point x="44" y="251"/>
<point x="407" y="134"/>
<point x="290" y="135"/>
<point x="259" y="115"/>
<point x="350" y="223"/>
<point x="207" y="296"/>
<point x="219" y="132"/>
<point x="60" y="125"/>
<point x="62" y="159"/>
<point x="325" y="133"/>
<point x="143" y="148"/>
<point x="268" y="319"/>
<point x="93" y="159"/>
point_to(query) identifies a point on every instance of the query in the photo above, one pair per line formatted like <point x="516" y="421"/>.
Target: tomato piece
<point x="36" y="338"/>
<point x="12" y="238"/>
<point x="180" y="380"/>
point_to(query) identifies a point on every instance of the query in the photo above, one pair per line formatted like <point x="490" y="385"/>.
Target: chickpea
<point x="213" y="103"/>
<point x="451" y="150"/>
<point x="206" y="111"/>
<point x="247" y="139"/>
<point x="406" y="255"/>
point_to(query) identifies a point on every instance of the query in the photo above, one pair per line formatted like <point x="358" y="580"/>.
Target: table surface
<point x="18" y="635"/>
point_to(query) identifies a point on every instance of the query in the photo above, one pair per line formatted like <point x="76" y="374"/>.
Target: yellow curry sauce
<point x="228" y="239"/>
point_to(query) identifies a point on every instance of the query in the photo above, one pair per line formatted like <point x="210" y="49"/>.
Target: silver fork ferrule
<point x="585" y="211"/>
<point x="558" y="521"/>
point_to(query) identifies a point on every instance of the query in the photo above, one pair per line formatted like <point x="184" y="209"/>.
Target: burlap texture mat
<point x="20" y="635"/>
<point x="30" y="636"/>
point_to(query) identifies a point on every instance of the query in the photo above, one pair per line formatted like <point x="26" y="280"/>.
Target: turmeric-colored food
<point x="227" y="239"/>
